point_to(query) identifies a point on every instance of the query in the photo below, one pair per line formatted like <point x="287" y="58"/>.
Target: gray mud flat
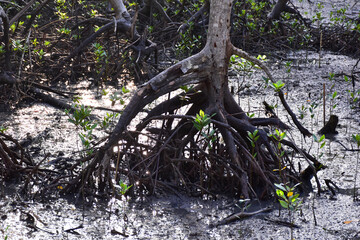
<point x="174" y="217"/>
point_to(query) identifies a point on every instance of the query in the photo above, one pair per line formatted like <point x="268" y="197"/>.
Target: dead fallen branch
<point x="239" y="216"/>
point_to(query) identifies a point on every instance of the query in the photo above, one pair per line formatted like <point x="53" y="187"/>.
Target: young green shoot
<point x="253" y="137"/>
<point x="312" y="109"/>
<point x="6" y="236"/>
<point x="289" y="200"/>
<point x="302" y="112"/>
<point x="80" y="117"/>
<point x="321" y="143"/>
<point x="114" y="97"/>
<point x="201" y="121"/>
<point x="278" y="137"/>
<point x="123" y="187"/>
<point x="278" y="85"/>
<point x="3" y="129"/>
<point x="250" y="115"/>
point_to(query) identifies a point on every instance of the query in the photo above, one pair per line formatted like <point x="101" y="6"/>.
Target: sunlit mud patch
<point x="167" y="217"/>
<point x="174" y="217"/>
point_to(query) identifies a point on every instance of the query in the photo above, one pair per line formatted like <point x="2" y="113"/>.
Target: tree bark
<point x="5" y="23"/>
<point x="120" y="10"/>
<point x="278" y="9"/>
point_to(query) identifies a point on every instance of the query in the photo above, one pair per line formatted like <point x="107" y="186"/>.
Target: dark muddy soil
<point x="181" y="217"/>
<point x="169" y="216"/>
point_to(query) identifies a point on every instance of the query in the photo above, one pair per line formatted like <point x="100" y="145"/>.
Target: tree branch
<point x="6" y="25"/>
<point x="246" y="56"/>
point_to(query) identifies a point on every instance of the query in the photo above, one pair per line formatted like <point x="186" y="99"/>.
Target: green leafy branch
<point x="278" y="85"/>
<point x="253" y="137"/>
<point x="123" y="187"/>
<point x="287" y="198"/>
<point x="201" y="121"/>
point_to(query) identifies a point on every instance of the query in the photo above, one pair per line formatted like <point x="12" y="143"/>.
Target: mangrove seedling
<point x="123" y="187"/>
<point x="114" y="97"/>
<point x="312" y="109"/>
<point x="3" y="129"/>
<point x="253" y="137"/>
<point x="333" y="105"/>
<point x="278" y="85"/>
<point x="302" y="112"/>
<point x="321" y="143"/>
<point x="278" y="137"/>
<point x="288" y="200"/>
<point x="80" y="115"/>
<point x="201" y="121"/>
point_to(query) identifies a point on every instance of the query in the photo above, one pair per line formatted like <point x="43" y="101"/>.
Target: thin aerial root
<point x="245" y="55"/>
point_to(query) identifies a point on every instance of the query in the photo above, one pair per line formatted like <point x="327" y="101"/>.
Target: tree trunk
<point x="120" y="10"/>
<point x="278" y="9"/>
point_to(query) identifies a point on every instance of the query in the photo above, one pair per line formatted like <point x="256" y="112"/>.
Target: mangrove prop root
<point x="239" y="171"/>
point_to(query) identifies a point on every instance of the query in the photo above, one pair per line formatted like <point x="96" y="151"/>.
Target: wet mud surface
<point x="182" y="217"/>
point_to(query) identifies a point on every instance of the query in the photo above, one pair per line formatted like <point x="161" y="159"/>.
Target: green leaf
<point x="280" y="186"/>
<point x="201" y="114"/>
<point x="284" y="204"/>
<point x="334" y="94"/>
<point x="278" y="85"/>
<point x="277" y="132"/>
<point x="356" y="139"/>
<point x="124" y="90"/>
<point x="185" y="88"/>
<point x="283" y="135"/>
<point x="279" y="192"/>
<point x="292" y="199"/>
<point x="295" y="197"/>
<point x="197" y="118"/>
